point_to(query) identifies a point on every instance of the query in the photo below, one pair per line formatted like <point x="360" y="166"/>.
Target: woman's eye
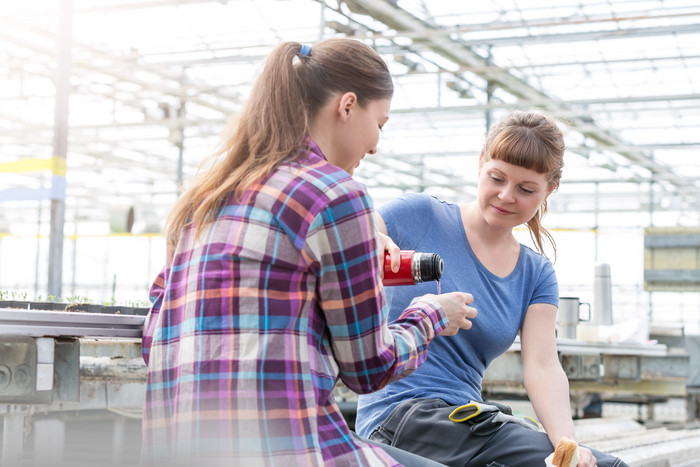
<point x="527" y="191"/>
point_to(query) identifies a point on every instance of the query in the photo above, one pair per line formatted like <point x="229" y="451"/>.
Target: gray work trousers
<point x="405" y="458"/>
<point x="422" y="426"/>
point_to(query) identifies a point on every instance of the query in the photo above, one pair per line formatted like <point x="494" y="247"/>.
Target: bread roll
<point x="566" y="453"/>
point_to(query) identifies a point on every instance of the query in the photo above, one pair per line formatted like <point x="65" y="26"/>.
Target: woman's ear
<point x="345" y="104"/>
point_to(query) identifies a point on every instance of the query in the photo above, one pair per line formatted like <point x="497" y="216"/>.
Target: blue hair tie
<point x="305" y="49"/>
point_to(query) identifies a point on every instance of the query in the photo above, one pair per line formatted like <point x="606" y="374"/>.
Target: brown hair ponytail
<point x="294" y="84"/>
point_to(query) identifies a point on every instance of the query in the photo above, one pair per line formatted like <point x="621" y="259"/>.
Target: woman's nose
<point x="507" y="194"/>
<point x="372" y="151"/>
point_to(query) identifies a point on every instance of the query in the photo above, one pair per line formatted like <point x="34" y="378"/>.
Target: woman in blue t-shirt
<point x="515" y="290"/>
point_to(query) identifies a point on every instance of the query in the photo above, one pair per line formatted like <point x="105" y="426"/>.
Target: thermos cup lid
<point x="431" y="266"/>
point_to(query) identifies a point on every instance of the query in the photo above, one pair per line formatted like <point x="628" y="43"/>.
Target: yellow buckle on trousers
<point x="473" y="409"/>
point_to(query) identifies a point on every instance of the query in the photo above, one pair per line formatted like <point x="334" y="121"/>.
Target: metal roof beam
<point x="403" y="21"/>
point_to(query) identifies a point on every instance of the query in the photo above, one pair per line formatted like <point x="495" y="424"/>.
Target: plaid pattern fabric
<point x="253" y="323"/>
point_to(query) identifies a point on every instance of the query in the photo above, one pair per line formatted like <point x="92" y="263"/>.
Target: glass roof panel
<point x="149" y="77"/>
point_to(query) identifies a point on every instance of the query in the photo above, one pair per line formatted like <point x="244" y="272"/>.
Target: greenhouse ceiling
<point x="147" y="87"/>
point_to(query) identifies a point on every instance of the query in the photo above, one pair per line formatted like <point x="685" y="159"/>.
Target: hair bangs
<point x="520" y="146"/>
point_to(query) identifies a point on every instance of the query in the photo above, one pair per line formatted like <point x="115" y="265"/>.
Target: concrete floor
<point x="101" y="438"/>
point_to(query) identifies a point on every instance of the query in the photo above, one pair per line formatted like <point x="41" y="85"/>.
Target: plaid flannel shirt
<point x="253" y="322"/>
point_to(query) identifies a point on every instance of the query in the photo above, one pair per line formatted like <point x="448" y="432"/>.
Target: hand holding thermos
<point x="416" y="267"/>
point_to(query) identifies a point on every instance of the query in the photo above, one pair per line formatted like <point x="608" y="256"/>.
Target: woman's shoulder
<point x="532" y="260"/>
<point x="413" y="216"/>
<point x="528" y="252"/>
<point x="416" y="203"/>
<point x="424" y="198"/>
<point x="317" y="180"/>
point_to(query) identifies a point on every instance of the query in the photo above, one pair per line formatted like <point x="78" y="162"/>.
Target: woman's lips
<point x="501" y="210"/>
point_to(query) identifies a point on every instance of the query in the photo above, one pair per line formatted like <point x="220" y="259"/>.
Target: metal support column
<point x="489" y="94"/>
<point x="596" y="228"/>
<point x="177" y="137"/>
<point x="650" y="297"/>
<point x="38" y="251"/>
<point x="60" y="148"/>
<point x="49" y="441"/>
<point x="12" y="437"/>
<point x="118" y="441"/>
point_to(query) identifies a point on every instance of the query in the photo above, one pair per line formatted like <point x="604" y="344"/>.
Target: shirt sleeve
<point x="547" y="287"/>
<point x="369" y="352"/>
<point x="156" y="295"/>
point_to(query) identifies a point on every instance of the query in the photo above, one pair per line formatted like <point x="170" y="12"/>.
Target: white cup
<point x="569" y="315"/>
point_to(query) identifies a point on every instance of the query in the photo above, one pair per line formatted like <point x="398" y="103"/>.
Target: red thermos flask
<point x="415" y="267"/>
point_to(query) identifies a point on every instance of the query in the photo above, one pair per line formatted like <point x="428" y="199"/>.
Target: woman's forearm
<point x="548" y="390"/>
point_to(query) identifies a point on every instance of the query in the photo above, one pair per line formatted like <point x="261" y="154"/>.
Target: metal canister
<point x="415" y="267"/>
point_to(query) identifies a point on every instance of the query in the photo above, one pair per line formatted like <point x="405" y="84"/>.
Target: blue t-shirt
<point x="456" y="364"/>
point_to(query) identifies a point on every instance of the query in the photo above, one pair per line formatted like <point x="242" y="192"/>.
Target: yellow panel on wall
<point x="672" y="259"/>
